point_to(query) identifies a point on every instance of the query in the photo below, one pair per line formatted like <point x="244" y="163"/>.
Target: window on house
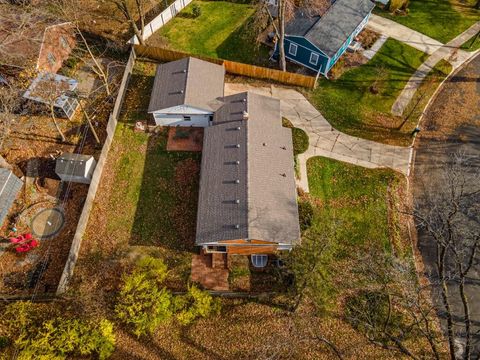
<point x="51" y="59"/>
<point x="292" y="49"/>
<point x="64" y="42"/>
<point x="314" y="58"/>
<point x="187" y="118"/>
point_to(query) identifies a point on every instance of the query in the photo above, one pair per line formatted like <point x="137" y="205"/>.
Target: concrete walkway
<point x="370" y="53"/>
<point x="324" y="139"/>
<point x="449" y="52"/>
<point x="404" y="34"/>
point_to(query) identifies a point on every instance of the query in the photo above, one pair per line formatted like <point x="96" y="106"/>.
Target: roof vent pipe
<point x="245" y="115"/>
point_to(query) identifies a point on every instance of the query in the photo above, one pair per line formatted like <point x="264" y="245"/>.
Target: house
<point x="247" y="198"/>
<point x="185" y="92"/>
<point x="318" y="42"/>
<point x="10" y="185"/>
<point x="75" y="167"/>
<point x="26" y="40"/>
<point x="55" y="91"/>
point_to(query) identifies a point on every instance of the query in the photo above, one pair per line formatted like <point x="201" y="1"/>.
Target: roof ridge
<point x="247" y="168"/>
<point x="186" y="80"/>
<point x="321" y="17"/>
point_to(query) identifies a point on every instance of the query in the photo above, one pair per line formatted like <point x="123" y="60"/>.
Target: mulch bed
<point x="185" y="139"/>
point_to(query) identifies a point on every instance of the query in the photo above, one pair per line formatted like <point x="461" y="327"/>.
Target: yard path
<point x="449" y="52"/>
<point x="324" y="139"/>
<point x="404" y="34"/>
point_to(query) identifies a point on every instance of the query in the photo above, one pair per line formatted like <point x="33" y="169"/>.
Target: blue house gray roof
<point x="10" y="185"/>
<point x="329" y="32"/>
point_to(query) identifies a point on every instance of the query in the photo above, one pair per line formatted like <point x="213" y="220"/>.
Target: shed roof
<point x="72" y="164"/>
<point x="330" y="31"/>
<point x="247" y="185"/>
<point x="10" y="185"/>
<point x="188" y="81"/>
<point x="47" y="87"/>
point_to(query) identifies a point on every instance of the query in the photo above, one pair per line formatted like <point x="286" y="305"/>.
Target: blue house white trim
<point x="325" y="39"/>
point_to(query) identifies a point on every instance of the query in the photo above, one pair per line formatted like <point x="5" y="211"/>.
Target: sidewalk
<point x="449" y="52"/>
<point x="404" y="34"/>
<point x="324" y="139"/>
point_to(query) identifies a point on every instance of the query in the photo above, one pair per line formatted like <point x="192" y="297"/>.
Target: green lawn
<point x="355" y="198"/>
<point x="360" y="101"/>
<point x="221" y="31"/>
<point x="440" y="19"/>
<point x="471" y="44"/>
<point x="155" y="194"/>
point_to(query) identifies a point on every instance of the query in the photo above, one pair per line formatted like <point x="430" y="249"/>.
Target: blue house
<point x="318" y="42"/>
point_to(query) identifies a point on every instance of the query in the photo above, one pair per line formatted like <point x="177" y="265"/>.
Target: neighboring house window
<point x="314" y="59"/>
<point x="187" y="118"/>
<point x="292" y="50"/>
<point x="51" y="59"/>
<point x="64" y="42"/>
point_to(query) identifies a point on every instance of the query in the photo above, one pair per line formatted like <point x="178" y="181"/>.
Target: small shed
<point x="10" y="185"/>
<point x="53" y="90"/>
<point x="75" y="167"/>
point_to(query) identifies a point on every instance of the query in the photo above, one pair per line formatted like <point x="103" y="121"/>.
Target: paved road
<point x="449" y="52"/>
<point x="454" y="115"/>
<point x="324" y="139"/>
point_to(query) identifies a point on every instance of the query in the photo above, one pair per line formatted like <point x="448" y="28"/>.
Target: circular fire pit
<point x="47" y="223"/>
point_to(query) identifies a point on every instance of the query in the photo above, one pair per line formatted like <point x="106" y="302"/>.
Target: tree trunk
<point x="52" y="111"/>
<point x="446" y="303"/>
<point x="467" y="322"/>
<point x="281" y="29"/>
<point x="97" y="68"/>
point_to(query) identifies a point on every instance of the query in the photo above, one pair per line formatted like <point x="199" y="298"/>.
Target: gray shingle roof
<point x="266" y="192"/>
<point x="331" y="31"/>
<point x="10" y="185"/>
<point x="301" y="22"/>
<point x="187" y="81"/>
<point x="72" y="164"/>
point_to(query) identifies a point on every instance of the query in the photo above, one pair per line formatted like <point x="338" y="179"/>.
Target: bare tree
<point x="134" y="11"/>
<point x="285" y="11"/>
<point x="447" y="214"/>
<point x="8" y="103"/>
<point x="392" y="308"/>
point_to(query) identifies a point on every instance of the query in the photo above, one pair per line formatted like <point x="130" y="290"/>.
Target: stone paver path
<point x="404" y="34"/>
<point x="449" y="52"/>
<point x="324" y="139"/>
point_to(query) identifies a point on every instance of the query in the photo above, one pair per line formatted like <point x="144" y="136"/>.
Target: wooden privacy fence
<point x="231" y="67"/>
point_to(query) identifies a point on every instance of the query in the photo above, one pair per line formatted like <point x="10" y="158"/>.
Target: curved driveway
<point x="324" y="139"/>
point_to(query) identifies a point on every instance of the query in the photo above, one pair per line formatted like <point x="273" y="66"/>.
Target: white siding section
<point x="184" y="110"/>
<point x="162" y="119"/>
<point x="182" y="115"/>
